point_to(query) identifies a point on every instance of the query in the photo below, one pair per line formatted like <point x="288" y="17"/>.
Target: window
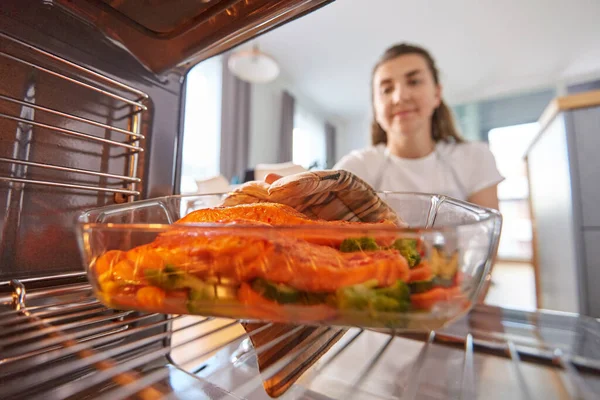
<point x="309" y="143"/>
<point x="509" y="145"/>
<point x="202" y="124"/>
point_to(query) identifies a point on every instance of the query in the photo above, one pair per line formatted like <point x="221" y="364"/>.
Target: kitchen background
<point x="502" y="63"/>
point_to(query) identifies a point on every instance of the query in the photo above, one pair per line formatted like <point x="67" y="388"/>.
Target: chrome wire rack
<point x="124" y="107"/>
<point x="61" y="343"/>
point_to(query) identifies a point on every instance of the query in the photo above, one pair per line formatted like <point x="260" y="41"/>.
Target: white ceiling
<point x="484" y="48"/>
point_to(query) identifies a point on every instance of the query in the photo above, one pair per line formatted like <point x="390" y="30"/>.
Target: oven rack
<point x="61" y="343"/>
<point x="129" y="102"/>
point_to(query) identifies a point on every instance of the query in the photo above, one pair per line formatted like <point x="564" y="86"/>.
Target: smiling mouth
<point x="403" y="113"/>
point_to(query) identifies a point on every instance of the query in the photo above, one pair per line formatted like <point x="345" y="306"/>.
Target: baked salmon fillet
<point x="330" y="233"/>
<point x="272" y="214"/>
<point x="299" y="264"/>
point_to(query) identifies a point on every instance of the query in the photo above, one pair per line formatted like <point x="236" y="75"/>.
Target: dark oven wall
<point x="89" y="127"/>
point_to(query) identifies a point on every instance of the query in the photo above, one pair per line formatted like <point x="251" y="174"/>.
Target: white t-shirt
<point x="457" y="170"/>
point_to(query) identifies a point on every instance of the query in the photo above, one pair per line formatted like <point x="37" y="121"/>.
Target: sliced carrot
<point x="144" y="257"/>
<point x="426" y="300"/>
<point x="421" y="273"/>
<point x="124" y="271"/>
<point x="151" y="297"/>
<point x="107" y="260"/>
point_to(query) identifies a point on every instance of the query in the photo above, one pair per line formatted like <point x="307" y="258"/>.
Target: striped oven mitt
<point x="328" y="195"/>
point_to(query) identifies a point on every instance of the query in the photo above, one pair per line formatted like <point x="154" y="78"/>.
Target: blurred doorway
<point x="513" y="277"/>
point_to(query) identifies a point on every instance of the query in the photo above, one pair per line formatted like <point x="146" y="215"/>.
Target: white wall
<point x="202" y="124"/>
<point x="355" y="135"/>
<point x="265" y="119"/>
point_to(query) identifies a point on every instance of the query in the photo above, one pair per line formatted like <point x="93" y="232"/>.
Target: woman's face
<point x="405" y="95"/>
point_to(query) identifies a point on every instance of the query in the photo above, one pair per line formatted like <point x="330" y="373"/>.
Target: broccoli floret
<point x="285" y="294"/>
<point x="386" y="304"/>
<point x="355" y="297"/>
<point x="408" y="249"/>
<point x="276" y="291"/>
<point x="400" y="291"/>
<point x="366" y="296"/>
<point x="359" y="244"/>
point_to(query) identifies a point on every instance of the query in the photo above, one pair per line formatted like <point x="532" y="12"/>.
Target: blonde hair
<point x="442" y="122"/>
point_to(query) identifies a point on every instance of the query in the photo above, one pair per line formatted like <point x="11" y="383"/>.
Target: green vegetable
<point x="408" y="249"/>
<point x="285" y="294"/>
<point x="310" y="299"/>
<point x="197" y="298"/>
<point x="398" y="291"/>
<point x="171" y="278"/>
<point x="208" y="293"/>
<point x="276" y="291"/>
<point x="420" y="286"/>
<point x="356" y="297"/>
<point x="358" y="244"/>
<point x="167" y="278"/>
<point x="367" y="296"/>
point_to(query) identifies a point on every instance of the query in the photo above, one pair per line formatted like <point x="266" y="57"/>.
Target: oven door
<point x="167" y="34"/>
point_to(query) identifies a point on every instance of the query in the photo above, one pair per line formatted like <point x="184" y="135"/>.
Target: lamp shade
<point x="253" y="66"/>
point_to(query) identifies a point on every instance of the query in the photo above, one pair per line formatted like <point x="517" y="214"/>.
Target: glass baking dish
<point x="416" y="278"/>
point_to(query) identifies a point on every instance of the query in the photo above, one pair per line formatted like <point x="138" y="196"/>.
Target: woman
<point x="416" y="146"/>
